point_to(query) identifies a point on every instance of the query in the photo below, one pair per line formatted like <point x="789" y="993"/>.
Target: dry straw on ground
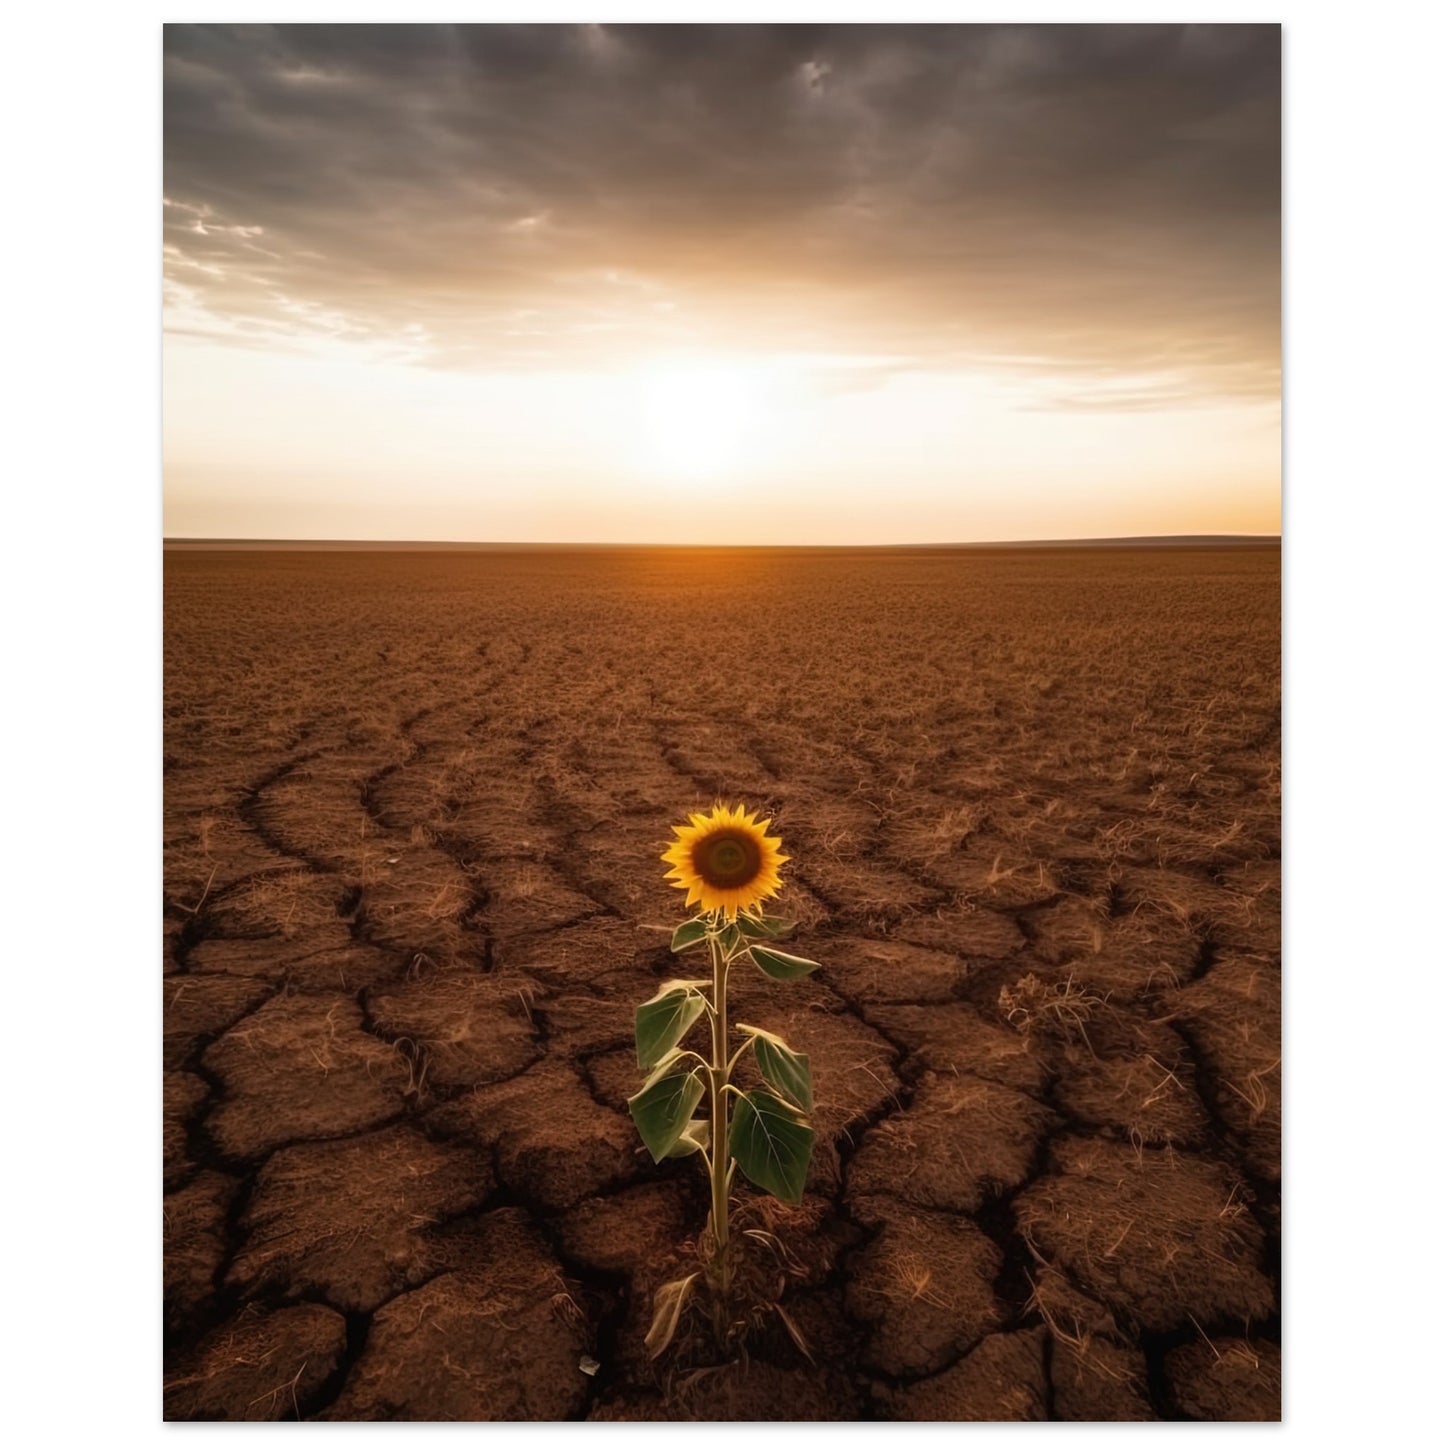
<point x="412" y="899"/>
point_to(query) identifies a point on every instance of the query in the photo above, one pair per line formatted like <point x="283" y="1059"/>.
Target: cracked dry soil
<point x="413" y="807"/>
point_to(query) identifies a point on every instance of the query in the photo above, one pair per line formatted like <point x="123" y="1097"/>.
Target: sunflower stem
<point x="719" y="1161"/>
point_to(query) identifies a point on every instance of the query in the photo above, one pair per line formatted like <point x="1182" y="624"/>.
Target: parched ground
<point x="413" y="811"/>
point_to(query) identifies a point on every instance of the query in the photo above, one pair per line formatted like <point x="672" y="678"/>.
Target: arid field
<point x="414" y="807"/>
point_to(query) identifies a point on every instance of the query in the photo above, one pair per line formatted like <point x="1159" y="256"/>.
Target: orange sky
<point x="771" y="284"/>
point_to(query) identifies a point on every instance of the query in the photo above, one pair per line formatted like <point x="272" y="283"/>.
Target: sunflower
<point x="726" y="860"/>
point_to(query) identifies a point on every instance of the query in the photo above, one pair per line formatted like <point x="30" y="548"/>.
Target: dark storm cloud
<point x="1099" y="198"/>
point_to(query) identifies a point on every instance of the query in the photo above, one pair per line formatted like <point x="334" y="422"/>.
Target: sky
<point x="729" y="284"/>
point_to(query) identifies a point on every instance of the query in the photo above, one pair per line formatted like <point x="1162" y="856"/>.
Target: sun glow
<point x="700" y="419"/>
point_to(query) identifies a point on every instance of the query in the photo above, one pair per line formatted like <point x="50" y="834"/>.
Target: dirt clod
<point x="1002" y="1378"/>
<point x="194" y="1244"/>
<point x="302" y="1067"/>
<point x="1226" y="1379"/>
<point x="554" y="1144"/>
<point x="499" y="1337"/>
<point x="925" y="1287"/>
<point x="262" y="1366"/>
<point x="1160" y="1236"/>
<point x="962" y="1141"/>
<point x="356" y="1218"/>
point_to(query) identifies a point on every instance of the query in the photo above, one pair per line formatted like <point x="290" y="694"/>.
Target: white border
<point x="1363" y="613"/>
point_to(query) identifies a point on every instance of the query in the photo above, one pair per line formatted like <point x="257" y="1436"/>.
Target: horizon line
<point x="362" y="544"/>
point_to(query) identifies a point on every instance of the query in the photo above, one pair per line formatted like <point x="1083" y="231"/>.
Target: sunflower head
<point x="725" y="860"/>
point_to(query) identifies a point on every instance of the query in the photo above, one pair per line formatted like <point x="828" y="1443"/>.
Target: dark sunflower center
<point x="727" y="859"/>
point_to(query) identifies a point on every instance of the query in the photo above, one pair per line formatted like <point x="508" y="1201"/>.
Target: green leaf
<point x="728" y="940"/>
<point x="781" y="965"/>
<point x="754" y="1032"/>
<point x="785" y="1070"/>
<point x="689" y="934"/>
<point x="692" y="1140"/>
<point x="662" y="1108"/>
<point x="771" y="1144"/>
<point x="666" y="1312"/>
<point x="665" y="1018"/>
<point x="763" y="927"/>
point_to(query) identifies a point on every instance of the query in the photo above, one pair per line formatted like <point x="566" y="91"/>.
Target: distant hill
<point x="1201" y="539"/>
<point x="262" y="544"/>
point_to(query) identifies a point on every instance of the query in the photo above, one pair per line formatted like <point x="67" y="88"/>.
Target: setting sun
<point x="699" y="418"/>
